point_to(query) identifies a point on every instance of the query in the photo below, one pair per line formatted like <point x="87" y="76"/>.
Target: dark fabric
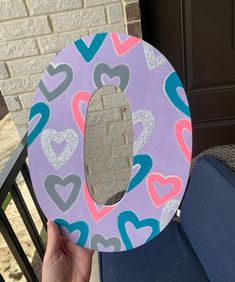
<point x="167" y="258"/>
<point x="208" y="218"/>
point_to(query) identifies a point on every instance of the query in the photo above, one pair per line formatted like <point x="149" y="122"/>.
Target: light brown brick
<point x="129" y="137"/>
<point x="103" y="117"/>
<point x="115" y="14"/>
<point x="107" y="190"/>
<point x="48" y="6"/>
<point x="24" y="28"/>
<point x="3" y="71"/>
<point x="20" y="117"/>
<point x="13" y="103"/>
<point x="95" y="104"/>
<point x="96" y="131"/>
<point x="119" y="127"/>
<point x="122" y="151"/>
<point x="103" y="143"/>
<point x="56" y="42"/>
<point x="115" y="100"/>
<point x="89" y="3"/>
<point x="19" y="85"/>
<point x="112" y="164"/>
<point x="108" y="28"/>
<point x="29" y="66"/>
<point x="79" y="19"/>
<point x="123" y="174"/>
<point x="18" y="49"/>
<point x="101" y="178"/>
<point x="26" y="100"/>
<point x="10" y="9"/>
<point x="97" y="156"/>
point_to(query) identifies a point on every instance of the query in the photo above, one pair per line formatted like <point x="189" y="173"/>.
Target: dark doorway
<point x="198" y="38"/>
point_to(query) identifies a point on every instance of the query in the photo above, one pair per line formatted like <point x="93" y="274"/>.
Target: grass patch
<point x="6" y="201"/>
<point x="43" y="235"/>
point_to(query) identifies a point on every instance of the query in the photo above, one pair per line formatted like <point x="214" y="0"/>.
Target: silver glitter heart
<point x="148" y="120"/>
<point x="68" y="135"/>
<point x="152" y="60"/>
<point x="168" y="211"/>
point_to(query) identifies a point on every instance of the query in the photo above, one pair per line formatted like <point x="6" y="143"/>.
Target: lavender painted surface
<point x="169" y="148"/>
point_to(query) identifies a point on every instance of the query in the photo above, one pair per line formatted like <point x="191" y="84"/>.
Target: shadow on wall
<point x="3" y="107"/>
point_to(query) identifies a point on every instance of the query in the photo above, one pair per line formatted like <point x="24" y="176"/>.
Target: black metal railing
<point x="8" y="185"/>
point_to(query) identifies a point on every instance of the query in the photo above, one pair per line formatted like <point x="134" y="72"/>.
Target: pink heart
<point x="85" y="97"/>
<point x="97" y="214"/>
<point x="180" y="126"/>
<point x="122" y="47"/>
<point x="158" y="200"/>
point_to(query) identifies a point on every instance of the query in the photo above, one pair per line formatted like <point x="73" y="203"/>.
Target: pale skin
<point x="63" y="260"/>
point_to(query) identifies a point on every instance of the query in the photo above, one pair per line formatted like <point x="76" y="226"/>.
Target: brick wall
<point x="108" y="143"/>
<point x="33" y="31"/>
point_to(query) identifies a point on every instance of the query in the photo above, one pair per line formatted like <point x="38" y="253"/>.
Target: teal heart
<point x="44" y="111"/>
<point x="172" y="83"/>
<point x="89" y="53"/>
<point x="79" y="225"/>
<point x="146" y="164"/>
<point x="130" y="216"/>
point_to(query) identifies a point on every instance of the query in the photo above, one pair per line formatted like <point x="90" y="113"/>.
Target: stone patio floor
<point x="9" y="268"/>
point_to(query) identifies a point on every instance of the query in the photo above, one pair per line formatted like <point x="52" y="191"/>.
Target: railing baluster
<point x="1" y="278"/>
<point x="16" y="249"/>
<point x="26" y="175"/>
<point x="28" y="221"/>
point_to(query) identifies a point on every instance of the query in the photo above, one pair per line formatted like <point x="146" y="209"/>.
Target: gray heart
<point x="121" y="71"/>
<point x="99" y="239"/>
<point x="51" y="95"/>
<point x="68" y="135"/>
<point x="53" y="180"/>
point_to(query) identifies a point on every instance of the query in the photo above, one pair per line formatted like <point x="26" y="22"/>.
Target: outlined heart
<point x="180" y="126"/>
<point x="38" y="109"/>
<point x="146" y="164"/>
<point x="168" y="212"/>
<point x="148" y="121"/>
<point x="122" y="71"/>
<point x="171" y="84"/>
<point x="88" y="53"/>
<point x="52" y="180"/>
<point x="173" y="180"/>
<point x="153" y="61"/>
<point x="130" y="216"/>
<point x="123" y="47"/>
<point x="97" y="212"/>
<point x="71" y="227"/>
<point x="54" y="70"/>
<point x="113" y="242"/>
<point x="79" y="97"/>
<point x="69" y="136"/>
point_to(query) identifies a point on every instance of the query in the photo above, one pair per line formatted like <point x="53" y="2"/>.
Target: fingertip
<point x="48" y="224"/>
<point x="53" y="227"/>
<point x="53" y="236"/>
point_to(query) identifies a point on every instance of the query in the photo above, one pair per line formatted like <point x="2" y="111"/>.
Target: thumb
<point x="53" y="238"/>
